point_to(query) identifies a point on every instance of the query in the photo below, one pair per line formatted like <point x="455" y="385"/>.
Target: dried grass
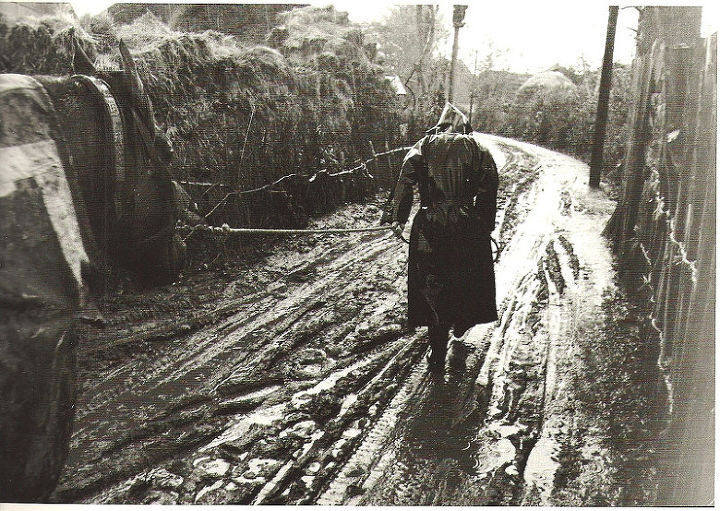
<point x="239" y="115"/>
<point x="41" y="45"/>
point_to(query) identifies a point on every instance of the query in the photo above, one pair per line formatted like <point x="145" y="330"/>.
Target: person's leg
<point x="458" y="351"/>
<point x="438" y="336"/>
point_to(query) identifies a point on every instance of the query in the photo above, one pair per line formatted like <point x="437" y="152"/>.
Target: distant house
<point x="14" y="11"/>
<point x="396" y="84"/>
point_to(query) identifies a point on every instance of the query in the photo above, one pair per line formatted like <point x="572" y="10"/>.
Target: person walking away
<point x="451" y="280"/>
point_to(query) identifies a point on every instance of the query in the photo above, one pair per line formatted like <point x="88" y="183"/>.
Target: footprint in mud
<point x="258" y="470"/>
<point x="301" y="275"/>
<point x="432" y="430"/>
<point x="310" y="363"/>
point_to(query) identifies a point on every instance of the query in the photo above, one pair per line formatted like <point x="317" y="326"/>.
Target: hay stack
<point x="41" y="45"/>
<point x="337" y="67"/>
<point x="542" y="109"/>
<point x="547" y="82"/>
<point x="239" y="115"/>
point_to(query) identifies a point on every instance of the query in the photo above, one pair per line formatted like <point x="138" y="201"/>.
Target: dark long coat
<point x="451" y="280"/>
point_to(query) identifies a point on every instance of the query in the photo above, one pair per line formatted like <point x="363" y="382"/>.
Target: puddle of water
<point x="541" y="467"/>
<point x="349" y="400"/>
<point x="252" y="396"/>
<point x="314" y="437"/>
<point x="505" y="430"/>
<point x="324" y="385"/>
<point x="238" y="428"/>
<point x="494" y="454"/>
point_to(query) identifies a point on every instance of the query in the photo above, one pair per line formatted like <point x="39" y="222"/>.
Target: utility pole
<point x="601" y="117"/>
<point x="473" y="91"/>
<point x="458" y="17"/>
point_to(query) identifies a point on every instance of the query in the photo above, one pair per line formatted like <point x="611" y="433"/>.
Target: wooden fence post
<point x="390" y="174"/>
<point x="374" y="158"/>
<point x="635" y="161"/>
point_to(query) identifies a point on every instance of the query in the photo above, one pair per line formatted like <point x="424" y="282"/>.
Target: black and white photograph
<point x="358" y="253"/>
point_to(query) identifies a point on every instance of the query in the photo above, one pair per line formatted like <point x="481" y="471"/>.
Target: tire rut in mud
<point x="496" y="412"/>
<point x="305" y="388"/>
<point x="182" y="387"/>
<point x="273" y="339"/>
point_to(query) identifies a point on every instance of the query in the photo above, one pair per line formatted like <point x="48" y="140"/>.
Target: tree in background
<point x="487" y="90"/>
<point x="408" y="39"/>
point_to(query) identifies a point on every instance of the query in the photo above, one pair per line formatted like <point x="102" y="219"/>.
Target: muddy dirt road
<point x="292" y="379"/>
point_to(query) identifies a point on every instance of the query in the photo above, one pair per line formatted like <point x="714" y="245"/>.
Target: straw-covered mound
<point x="330" y="55"/>
<point x="40" y="45"/>
<point x="241" y="116"/>
<point x="546" y="81"/>
<point x="541" y="111"/>
<point x="557" y="110"/>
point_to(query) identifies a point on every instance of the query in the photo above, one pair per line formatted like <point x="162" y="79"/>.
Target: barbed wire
<point x="361" y="166"/>
<point x="325" y="170"/>
<point x="310" y="179"/>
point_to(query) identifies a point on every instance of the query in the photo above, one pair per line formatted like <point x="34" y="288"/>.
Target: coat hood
<point x="452" y="120"/>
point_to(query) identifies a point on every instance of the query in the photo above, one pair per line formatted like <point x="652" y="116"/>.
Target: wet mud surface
<point x="291" y="379"/>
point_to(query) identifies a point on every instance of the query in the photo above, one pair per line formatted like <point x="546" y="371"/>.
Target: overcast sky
<point x="532" y="35"/>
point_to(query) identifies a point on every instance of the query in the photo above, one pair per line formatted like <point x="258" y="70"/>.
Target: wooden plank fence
<point x="663" y="232"/>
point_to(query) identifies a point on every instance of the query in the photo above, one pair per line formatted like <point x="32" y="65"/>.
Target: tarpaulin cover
<point x="41" y="253"/>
